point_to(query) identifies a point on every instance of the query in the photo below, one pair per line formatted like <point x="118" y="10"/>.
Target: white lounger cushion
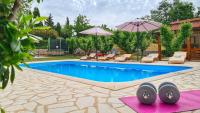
<point x="150" y="58"/>
<point x="120" y="59"/>
<point x="178" y="58"/>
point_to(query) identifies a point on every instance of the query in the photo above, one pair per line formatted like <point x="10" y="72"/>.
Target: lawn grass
<point x="66" y="57"/>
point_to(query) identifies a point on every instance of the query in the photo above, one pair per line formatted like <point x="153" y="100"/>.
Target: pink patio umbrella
<point x="96" y="31"/>
<point x="139" y="25"/>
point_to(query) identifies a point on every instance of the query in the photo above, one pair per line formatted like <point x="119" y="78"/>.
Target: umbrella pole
<point x="96" y="47"/>
<point x="137" y="49"/>
<point x="137" y="43"/>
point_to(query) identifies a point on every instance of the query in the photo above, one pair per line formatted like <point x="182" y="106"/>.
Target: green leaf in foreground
<point x="12" y="76"/>
<point x="2" y="110"/>
<point x="18" y="67"/>
<point x="39" y="19"/>
<point x="5" y="78"/>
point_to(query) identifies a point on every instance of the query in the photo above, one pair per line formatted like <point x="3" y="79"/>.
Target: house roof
<point x="195" y="23"/>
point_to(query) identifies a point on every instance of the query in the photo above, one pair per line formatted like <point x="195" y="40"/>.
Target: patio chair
<point x="150" y="58"/>
<point x="84" y="58"/>
<point x="107" y="57"/>
<point x="123" y="58"/>
<point x="91" y="56"/>
<point x="178" y="58"/>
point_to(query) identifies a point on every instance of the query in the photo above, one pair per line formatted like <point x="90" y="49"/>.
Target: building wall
<point x="195" y="39"/>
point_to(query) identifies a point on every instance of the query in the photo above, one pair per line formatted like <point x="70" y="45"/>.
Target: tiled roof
<point x="195" y="23"/>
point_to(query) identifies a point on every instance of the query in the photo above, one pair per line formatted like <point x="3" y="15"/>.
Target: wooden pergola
<point x="192" y="45"/>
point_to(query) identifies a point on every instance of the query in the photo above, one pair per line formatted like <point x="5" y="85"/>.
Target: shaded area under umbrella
<point x="137" y="26"/>
<point x="96" y="31"/>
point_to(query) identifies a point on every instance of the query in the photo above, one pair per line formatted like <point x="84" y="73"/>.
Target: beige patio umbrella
<point x="96" y="31"/>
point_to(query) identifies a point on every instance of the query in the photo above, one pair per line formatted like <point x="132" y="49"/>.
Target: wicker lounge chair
<point x="150" y="58"/>
<point x="178" y="58"/>
<point x="91" y="56"/>
<point x="107" y="57"/>
<point x="84" y="58"/>
<point x="123" y="58"/>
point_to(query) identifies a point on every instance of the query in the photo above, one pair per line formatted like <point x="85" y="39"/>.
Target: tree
<point x="181" y="10"/>
<point x="161" y="14"/>
<point x="49" y="22"/>
<point x="167" y="38"/>
<point x="125" y="40"/>
<point x="67" y="30"/>
<point x="58" y="28"/>
<point x="81" y="23"/>
<point x="144" y="42"/>
<point x="184" y="33"/>
<point x="105" y="44"/>
<point x="198" y="12"/>
<point x="168" y="12"/>
<point x="129" y="43"/>
<point x="36" y="13"/>
<point x="104" y="26"/>
<point x="172" y="43"/>
<point x="85" y="43"/>
<point x="72" y="44"/>
<point x="146" y="17"/>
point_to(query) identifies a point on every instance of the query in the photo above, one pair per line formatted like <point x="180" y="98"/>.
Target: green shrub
<point x="95" y="42"/>
<point x="166" y="36"/>
<point x="85" y="43"/>
<point x="185" y="32"/>
<point x="88" y="44"/>
<point x="105" y="44"/>
<point x="125" y="40"/>
<point x="128" y="41"/>
<point x="145" y="40"/>
<point x="72" y="44"/>
<point x="172" y="43"/>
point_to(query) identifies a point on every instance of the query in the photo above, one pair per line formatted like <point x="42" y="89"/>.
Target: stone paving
<point x="34" y="92"/>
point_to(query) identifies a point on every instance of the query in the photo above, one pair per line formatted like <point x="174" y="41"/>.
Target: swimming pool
<point x="105" y="72"/>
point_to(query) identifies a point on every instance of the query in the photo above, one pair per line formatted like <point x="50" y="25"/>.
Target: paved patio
<point x="35" y="92"/>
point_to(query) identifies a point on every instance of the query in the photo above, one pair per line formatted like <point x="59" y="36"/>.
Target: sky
<point x="109" y="12"/>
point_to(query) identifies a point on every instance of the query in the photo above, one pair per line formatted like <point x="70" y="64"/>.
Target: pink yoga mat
<point x="189" y="100"/>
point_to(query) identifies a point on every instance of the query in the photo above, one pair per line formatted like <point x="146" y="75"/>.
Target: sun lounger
<point x="91" y="56"/>
<point x="107" y="57"/>
<point x="127" y="56"/>
<point x="84" y="58"/>
<point x="178" y="58"/>
<point x="123" y="58"/>
<point x="150" y="58"/>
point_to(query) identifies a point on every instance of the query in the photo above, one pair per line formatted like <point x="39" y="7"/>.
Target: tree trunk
<point x="142" y="53"/>
<point x="14" y="10"/>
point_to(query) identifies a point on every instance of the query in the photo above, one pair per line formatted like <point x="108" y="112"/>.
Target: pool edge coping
<point x="112" y="85"/>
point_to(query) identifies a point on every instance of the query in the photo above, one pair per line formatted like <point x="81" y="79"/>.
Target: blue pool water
<point x="105" y="72"/>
